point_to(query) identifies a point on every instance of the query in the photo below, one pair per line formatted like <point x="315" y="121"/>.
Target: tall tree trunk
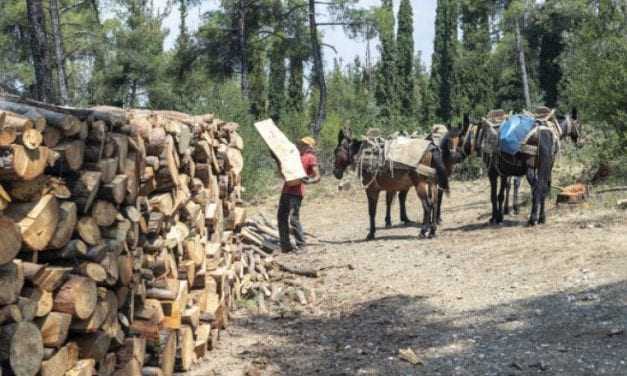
<point x="523" y="66"/>
<point x="39" y="50"/>
<point x="244" y="84"/>
<point x="318" y="70"/>
<point x="59" y="53"/>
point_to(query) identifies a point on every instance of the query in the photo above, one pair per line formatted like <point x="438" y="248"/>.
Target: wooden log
<point x="85" y="189"/>
<point x="152" y="371"/>
<point x="32" y="113"/>
<point x="28" y="308"/>
<point x="133" y="349"/>
<point x="42" y="298"/>
<point x="72" y="155"/>
<point x="48" y="278"/>
<point x="22" y="346"/>
<point x="36" y="221"/>
<point x="64" y="359"/>
<point x="9" y="314"/>
<point x="121" y="144"/>
<point x="11" y="282"/>
<point x="83" y="367"/>
<point x="106" y="367"/>
<point x="21" y="163"/>
<point x="31" y="139"/>
<point x="94" y="345"/>
<point x="11" y="240"/>
<point x="186" y="348"/>
<point x="145" y="329"/>
<point x="67" y="220"/>
<point x="104" y="212"/>
<point x="20" y="123"/>
<point x="88" y="230"/>
<point x="54" y="328"/>
<point x="51" y="137"/>
<point x="108" y="167"/>
<point x="132" y="171"/>
<point x="77" y="296"/>
<point x="167" y="357"/>
<point x="94" y="271"/>
<point x="116" y="190"/>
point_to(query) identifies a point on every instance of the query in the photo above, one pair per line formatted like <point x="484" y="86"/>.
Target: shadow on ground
<point x="570" y="333"/>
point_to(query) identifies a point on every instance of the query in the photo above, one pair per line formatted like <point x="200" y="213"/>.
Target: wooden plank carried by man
<point x="285" y="151"/>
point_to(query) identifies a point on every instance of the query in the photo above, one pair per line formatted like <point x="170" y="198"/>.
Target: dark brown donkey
<point x="451" y="148"/>
<point x="390" y="179"/>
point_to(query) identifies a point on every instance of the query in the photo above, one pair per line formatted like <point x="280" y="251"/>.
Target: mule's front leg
<point x="508" y="185"/>
<point x="389" y="200"/>
<point x="535" y="196"/>
<point x="502" y="205"/>
<point x="438" y="210"/>
<point x="515" y="195"/>
<point x="542" y="217"/>
<point x="373" y="197"/>
<point x="402" y="200"/>
<point x="427" y="207"/>
<point x="493" y="198"/>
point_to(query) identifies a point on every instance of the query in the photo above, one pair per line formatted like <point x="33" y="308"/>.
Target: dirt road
<point x="478" y="300"/>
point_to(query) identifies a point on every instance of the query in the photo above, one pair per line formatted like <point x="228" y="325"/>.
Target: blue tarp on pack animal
<point x="513" y="132"/>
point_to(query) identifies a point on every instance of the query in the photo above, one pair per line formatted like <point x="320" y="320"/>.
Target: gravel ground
<point x="477" y="300"/>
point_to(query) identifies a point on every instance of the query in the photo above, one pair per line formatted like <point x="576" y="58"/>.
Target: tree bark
<point x="39" y="51"/>
<point x="523" y="66"/>
<point x="318" y="70"/>
<point x="59" y="53"/>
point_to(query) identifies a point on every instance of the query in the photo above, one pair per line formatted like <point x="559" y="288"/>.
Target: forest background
<point x="251" y="59"/>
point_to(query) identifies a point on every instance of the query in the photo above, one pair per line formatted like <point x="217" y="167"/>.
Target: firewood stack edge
<point x="119" y="238"/>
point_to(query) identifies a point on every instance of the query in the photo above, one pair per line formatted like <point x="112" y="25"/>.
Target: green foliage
<point x="405" y="57"/>
<point x="475" y="94"/>
<point x="595" y="71"/>
<point x="386" y="92"/>
<point x="443" y="81"/>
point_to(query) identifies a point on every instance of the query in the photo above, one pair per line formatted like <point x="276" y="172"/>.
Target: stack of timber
<point x="119" y="238"/>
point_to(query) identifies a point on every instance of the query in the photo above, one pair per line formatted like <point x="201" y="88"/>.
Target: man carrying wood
<point x="292" y="196"/>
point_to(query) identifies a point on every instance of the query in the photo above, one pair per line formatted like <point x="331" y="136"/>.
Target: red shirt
<point x="309" y="161"/>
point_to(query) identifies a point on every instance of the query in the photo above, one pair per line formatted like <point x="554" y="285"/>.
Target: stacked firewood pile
<point x="119" y="238"/>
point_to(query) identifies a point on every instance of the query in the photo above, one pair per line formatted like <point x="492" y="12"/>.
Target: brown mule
<point x="390" y="179"/>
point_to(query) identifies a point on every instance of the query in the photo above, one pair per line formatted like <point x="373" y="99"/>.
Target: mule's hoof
<point x="516" y="211"/>
<point x="388" y="225"/>
<point x="370" y="237"/>
<point x="542" y="220"/>
<point x="422" y="235"/>
<point x="431" y="235"/>
<point x="506" y="212"/>
<point x="493" y="221"/>
<point x="531" y="223"/>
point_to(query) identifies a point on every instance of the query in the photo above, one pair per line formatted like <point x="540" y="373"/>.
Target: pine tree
<point x="298" y="52"/>
<point x="386" y="93"/>
<point x="443" y="80"/>
<point x="276" y="82"/>
<point x="405" y="57"/>
<point x="475" y="80"/>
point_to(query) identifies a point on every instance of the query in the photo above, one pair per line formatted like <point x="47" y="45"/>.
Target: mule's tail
<point x="545" y="159"/>
<point x="440" y="171"/>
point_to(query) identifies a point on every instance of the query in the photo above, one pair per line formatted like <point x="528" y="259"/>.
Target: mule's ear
<point x="340" y="136"/>
<point x="573" y="113"/>
<point x="466" y="122"/>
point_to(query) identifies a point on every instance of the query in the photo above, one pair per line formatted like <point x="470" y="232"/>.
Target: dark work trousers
<point x="288" y="215"/>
